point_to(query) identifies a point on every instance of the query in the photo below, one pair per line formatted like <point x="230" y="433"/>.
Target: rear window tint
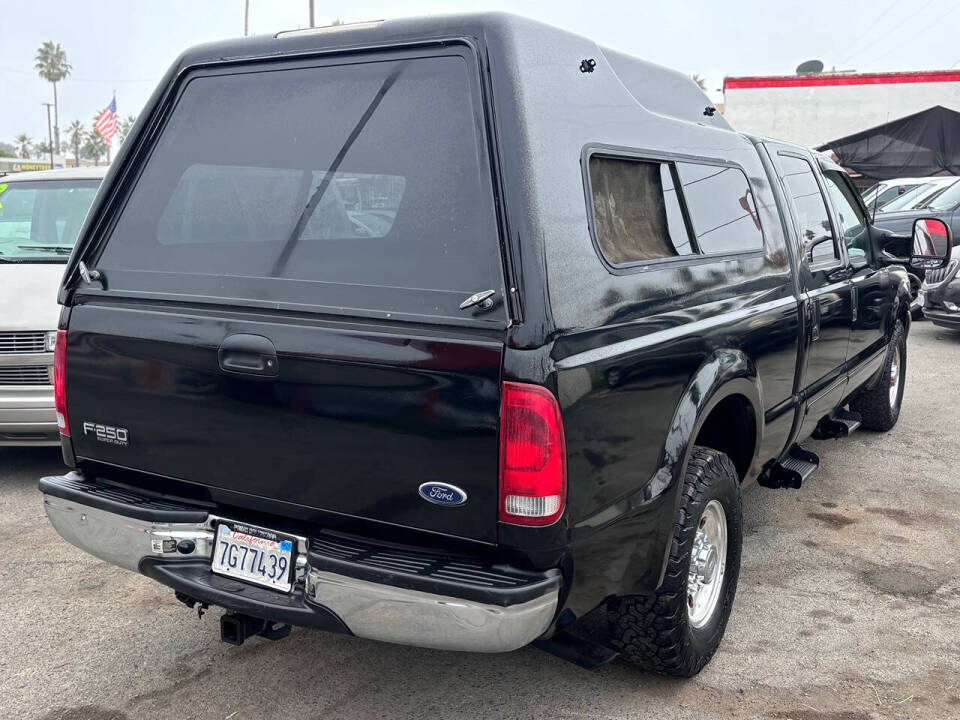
<point x="219" y="204"/>
<point x="639" y="215"/>
<point x="359" y="186"/>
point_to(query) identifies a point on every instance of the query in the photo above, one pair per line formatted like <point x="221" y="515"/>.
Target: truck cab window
<point x="853" y="223"/>
<point x="813" y="220"/>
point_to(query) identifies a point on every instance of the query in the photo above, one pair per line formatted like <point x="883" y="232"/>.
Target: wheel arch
<point x="727" y="382"/>
<point x="727" y="378"/>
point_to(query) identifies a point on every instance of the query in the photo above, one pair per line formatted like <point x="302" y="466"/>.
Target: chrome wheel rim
<point x="894" y="376"/>
<point x="708" y="563"/>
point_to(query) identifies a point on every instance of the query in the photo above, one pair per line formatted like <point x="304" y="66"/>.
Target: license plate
<point x="255" y="555"/>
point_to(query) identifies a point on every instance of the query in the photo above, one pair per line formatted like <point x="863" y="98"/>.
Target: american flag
<point x="107" y="122"/>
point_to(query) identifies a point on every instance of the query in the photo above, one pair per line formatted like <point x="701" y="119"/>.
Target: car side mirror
<point x="932" y="243"/>
<point x="808" y="247"/>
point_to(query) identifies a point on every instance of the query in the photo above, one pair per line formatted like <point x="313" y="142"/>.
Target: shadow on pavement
<point x="29" y="464"/>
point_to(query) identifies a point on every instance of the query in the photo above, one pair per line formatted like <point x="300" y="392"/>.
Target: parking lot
<point x="848" y="607"/>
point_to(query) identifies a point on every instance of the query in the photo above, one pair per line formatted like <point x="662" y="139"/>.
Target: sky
<point x="125" y="46"/>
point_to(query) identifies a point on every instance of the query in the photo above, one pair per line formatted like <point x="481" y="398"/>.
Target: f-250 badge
<point x="107" y="433"/>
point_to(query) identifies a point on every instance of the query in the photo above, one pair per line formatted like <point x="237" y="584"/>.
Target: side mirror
<point x="808" y="247"/>
<point x="932" y="243"/>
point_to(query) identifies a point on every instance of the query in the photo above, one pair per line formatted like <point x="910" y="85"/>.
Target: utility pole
<point x="246" y="17"/>
<point x="311" y="13"/>
<point x="49" y="133"/>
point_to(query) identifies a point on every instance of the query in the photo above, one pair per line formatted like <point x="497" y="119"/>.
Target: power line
<point x="71" y="78"/>
<point x="879" y="38"/>
<point x="936" y="20"/>
<point x="866" y="33"/>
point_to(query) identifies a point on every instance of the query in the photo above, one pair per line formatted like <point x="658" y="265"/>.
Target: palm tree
<point x="75" y="138"/>
<point x="51" y="64"/>
<point x="24" y="145"/>
<point x="124" y="128"/>
<point x="700" y="81"/>
<point x="42" y="148"/>
<point x="94" y="147"/>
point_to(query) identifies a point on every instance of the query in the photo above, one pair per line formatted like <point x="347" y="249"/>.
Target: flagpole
<point x="118" y="116"/>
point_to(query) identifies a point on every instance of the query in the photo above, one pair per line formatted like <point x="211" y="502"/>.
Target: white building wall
<point x="813" y="116"/>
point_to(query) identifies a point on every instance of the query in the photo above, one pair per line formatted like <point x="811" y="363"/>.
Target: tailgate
<point x="349" y="242"/>
<point x="354" y="422"/>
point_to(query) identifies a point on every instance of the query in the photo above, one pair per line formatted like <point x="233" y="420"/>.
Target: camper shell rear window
<point x="357" y="185"/>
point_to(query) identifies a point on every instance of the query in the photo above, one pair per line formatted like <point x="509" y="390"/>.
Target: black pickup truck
<point x="451" y="331"/>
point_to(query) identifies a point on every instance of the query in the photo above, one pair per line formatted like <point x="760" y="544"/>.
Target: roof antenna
<point x="587" y="65"/>
<point x="709" y="110"/>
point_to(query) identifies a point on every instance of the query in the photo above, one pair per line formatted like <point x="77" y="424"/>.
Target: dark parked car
<point x="585" y="313"/>
<point x="944" y="205"/>
<point x="940" y="295"/>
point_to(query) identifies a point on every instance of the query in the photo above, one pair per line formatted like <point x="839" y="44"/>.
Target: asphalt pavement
<point x="848" y="609"/>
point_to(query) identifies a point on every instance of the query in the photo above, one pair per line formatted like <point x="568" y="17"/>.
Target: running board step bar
<point x="795" y="467"/>
<point x="838" y="424"/>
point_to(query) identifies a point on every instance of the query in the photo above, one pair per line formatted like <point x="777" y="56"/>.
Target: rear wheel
<point x="676" y="630"/>
<point x="879" y="407"/>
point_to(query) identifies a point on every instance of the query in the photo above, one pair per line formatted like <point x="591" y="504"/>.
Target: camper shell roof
<point x="546" y="111"/>
<point x="658" y="89"/>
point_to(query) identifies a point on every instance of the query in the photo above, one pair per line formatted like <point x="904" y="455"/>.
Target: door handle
<point x="248" y="355"/>
<point x="813" y="313"/>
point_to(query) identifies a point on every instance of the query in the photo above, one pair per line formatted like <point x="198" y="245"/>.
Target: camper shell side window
<point x="644" y="208"/>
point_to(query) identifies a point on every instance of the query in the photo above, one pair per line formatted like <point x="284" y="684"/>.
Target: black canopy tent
<point x="919" y="145"/>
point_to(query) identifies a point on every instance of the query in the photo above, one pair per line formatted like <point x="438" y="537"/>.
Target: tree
<point x="75" y="138"/>
<point x="24" y="145"/>
<point x="94" y="147"/>
<point x="42" y="149"/>
<point x="7" y="150"/>
<point x="51" y="64"/>
<point x="124" y="128"/>
<point x="700" y="81"/>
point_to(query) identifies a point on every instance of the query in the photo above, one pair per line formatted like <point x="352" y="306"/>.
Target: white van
<point x="40" y="218"/>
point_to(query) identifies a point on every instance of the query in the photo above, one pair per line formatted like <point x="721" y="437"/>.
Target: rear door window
<point x="359" y="187"/>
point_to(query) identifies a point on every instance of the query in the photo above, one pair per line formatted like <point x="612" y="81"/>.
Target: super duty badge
<point x="107" y="433"/>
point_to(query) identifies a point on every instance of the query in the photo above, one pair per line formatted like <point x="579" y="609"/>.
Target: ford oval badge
<point x="442" y="493"/>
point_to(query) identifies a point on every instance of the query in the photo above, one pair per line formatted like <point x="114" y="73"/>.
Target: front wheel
<point x="676" y="630"/>
<point x="879" y="407"/>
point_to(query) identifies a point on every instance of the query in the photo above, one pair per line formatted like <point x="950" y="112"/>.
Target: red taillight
<point x="533" y="456"/>
<point x="60" y="382"/>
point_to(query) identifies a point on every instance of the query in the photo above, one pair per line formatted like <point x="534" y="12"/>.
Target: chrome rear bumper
<point x="409" y="617"/>
<point x="373" y="610"/>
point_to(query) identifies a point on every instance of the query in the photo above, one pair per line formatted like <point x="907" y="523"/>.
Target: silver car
<point x="40" y="217"/>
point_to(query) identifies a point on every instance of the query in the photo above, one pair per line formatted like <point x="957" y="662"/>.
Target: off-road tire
<point x="652" y="631"/>
<point x="874" y="406"/>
